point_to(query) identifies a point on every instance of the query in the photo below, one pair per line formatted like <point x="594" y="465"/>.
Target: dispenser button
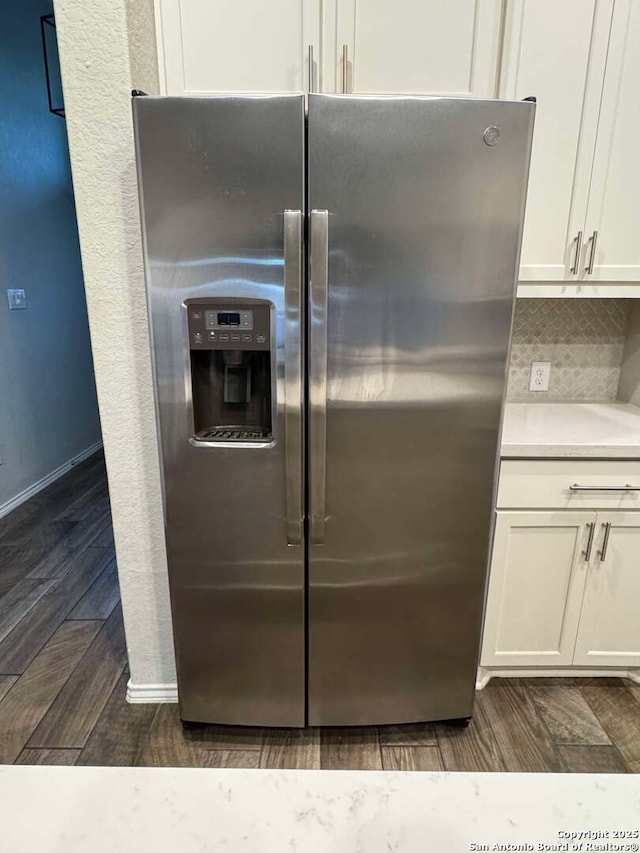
<point x="246" y="337"/>
<point x="212" y="336"/>
<point x="235" y="337"/>
<point x="224" y="337"/>
<point x="197" y="337"/>
<point x="261" y="339"/>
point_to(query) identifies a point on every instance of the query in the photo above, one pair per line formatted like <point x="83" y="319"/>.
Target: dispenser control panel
<point x="240" y="325"/>
<point x="228" y="320"/>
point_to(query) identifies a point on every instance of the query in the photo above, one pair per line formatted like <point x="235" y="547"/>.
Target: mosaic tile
<point x="582" y="338"/>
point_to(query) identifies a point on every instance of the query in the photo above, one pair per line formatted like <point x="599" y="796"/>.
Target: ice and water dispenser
<point x="231" y="383"/>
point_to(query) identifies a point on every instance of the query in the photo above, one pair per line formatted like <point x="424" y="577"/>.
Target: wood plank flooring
<point x="63" y="679"/>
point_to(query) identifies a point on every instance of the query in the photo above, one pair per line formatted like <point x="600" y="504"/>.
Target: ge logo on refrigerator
<point x="491" y="135"/>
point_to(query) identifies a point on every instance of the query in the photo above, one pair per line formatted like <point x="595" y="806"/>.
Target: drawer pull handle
<point x="587" y="551"/>
<point x="576" y="487"/>
<point x="605" y="541"/>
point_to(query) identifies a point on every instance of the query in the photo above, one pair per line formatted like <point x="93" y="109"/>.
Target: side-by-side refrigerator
<point x="330" y="295"/>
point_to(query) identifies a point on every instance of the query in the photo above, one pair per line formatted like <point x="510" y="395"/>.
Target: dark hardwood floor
<point x="63" y="677"/>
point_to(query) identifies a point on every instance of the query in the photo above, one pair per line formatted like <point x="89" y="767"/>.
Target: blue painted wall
<point x="48" y="408"/>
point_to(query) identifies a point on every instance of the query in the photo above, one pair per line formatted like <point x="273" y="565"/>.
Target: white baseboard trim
<point x="485" y="674"/>
<point x="138" y="694"/>
<point x="483" y="677"/>
<point x="146" y="693"/>
<point x="34" y="488"/>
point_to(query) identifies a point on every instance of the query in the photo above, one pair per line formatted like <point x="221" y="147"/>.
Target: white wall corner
<point x="97" y="42"/>
<point x="139" y="694"/>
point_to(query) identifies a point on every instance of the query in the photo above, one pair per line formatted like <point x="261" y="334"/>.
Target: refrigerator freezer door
<point x="424" y="201"/>
<point x="221" y="183"/>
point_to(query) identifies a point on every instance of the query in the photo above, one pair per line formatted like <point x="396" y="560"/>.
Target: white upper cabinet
<point x="557" y="52"/>
<point x="439" y="47"/>
<point x="238" y="45"/>
<point x="614" y="200"/>
<point x="581" y="59"/>
<point x="442" y="47"/>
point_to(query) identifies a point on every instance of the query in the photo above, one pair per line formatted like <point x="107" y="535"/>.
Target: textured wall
<point x="143" y="50"/>
<point x="48" y="413"/>
<point x="94" y="53"/>
<point x="582" y="338"/>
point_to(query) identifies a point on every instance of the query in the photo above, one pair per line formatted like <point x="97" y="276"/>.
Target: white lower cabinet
<point x="609" y="629"/>
<point x="564" y="584"/>
<point x="538" y="574"/>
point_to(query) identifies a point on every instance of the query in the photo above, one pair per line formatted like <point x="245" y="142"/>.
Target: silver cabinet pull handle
<point x="345" y="69"/>
<point x="605" y="541"/>
<point x="587" y="551"/>
<point x="312" y="76"/>
<point x="293" y="373"/>
<point x="576" y="258"/>
<point x="592" y="254"/>
<point x="319" y="286"/>
<point x="576" y="487"/>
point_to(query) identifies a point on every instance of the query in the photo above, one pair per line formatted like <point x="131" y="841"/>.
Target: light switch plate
<point x="17" y="299"/>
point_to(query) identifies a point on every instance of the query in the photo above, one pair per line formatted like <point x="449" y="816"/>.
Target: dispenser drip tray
<point x="234" y="433"/>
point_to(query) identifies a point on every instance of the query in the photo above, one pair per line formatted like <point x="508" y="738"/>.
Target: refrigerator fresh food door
<point x="416" y="210"/>
<point x="222" y="198"/>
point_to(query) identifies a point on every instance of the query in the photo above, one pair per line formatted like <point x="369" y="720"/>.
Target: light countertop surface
<point x="99" y="809"/>
<point x="602" y="430"/>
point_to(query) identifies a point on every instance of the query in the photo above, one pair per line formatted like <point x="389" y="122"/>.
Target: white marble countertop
<point x="165" y="810"/>
<point x="603" y="430"/>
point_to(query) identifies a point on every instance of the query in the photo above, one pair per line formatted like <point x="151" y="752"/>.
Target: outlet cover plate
<point x="539" y="376"/>
<point x="17" y="299"/>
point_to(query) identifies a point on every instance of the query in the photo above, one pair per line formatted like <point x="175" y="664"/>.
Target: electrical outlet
<point x="539" y="376"/>
<point x="17" y="299"/>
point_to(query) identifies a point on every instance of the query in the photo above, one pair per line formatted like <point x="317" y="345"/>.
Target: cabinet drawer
<point x="534" y="484"/>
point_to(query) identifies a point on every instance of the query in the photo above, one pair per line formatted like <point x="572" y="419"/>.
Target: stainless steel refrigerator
<point x="330" y="295"/>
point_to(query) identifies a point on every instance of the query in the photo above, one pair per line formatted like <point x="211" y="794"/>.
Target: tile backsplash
<point x="582" y="338"/>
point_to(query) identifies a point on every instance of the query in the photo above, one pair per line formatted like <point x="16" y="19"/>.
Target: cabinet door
<point x="614" y="199"/>
<point x="557" y="52"/>
<point x="238" y="45"/>
<point x="538" y="571"/>
<point x="439" y="47"/>
<point x="609" y="631"/>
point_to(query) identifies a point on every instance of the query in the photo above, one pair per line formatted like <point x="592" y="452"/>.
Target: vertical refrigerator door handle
<point x="293" y="373"/>
<point x="318" y="276"/>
